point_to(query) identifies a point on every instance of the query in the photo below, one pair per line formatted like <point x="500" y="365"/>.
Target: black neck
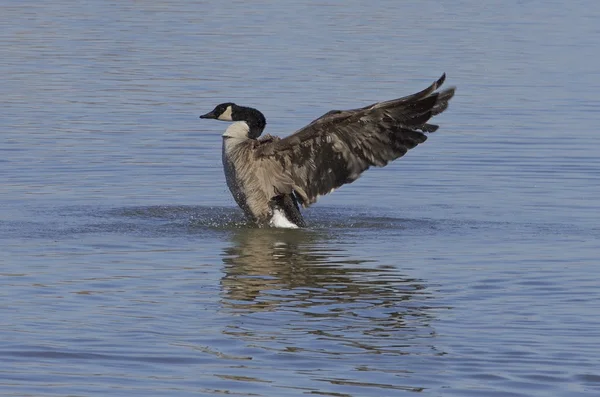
<point x="255" y="120"/>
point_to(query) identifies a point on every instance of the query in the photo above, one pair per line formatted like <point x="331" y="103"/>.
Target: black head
<point x="221" y="112"/>
<point x="229" y="111"/>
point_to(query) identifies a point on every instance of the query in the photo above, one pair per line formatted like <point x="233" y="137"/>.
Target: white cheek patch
<point x="226" y="115"/>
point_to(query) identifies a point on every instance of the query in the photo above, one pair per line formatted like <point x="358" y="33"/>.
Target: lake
<point x="469" y="267"/>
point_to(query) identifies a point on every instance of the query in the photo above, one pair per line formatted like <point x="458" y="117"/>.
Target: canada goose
<point x="270" y="177"/>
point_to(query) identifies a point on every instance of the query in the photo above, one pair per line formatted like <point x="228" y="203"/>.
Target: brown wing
<point x="336" y="148"/>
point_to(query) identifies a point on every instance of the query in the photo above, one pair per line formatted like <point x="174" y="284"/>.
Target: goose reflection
<point x="262" y="263"/>
<point x="303" y="300"/>
<point x="311" y="272"/>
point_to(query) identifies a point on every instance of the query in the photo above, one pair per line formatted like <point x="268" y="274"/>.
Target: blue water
<point x="467" y="268"/>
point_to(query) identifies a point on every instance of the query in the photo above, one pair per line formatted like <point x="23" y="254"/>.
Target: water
<point x="467" y="268"/>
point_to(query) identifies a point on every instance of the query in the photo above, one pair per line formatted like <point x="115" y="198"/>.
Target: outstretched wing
<point x="337" y="147"/>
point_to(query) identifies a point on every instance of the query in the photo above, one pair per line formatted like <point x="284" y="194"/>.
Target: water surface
<point x="467" y="268"/>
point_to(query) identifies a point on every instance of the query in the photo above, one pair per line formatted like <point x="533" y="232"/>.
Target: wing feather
<point x="337" y="147"/>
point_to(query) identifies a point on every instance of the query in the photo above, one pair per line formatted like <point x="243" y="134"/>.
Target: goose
<point x="270" y="178"/>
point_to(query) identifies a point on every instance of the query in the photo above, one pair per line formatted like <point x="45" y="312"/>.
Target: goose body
<point x="270" y="177"/>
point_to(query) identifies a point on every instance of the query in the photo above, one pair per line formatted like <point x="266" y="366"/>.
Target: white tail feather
<point x="280" y="220"/>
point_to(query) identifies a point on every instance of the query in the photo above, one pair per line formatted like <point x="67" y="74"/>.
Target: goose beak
<point x="209" y="115"/>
